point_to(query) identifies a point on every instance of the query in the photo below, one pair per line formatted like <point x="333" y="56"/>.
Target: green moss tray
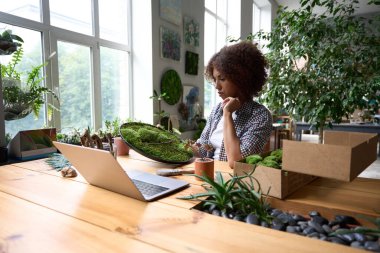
<point x="155" y="143"/>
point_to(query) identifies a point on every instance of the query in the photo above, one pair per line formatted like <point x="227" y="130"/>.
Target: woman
<point x="237" y="126"/>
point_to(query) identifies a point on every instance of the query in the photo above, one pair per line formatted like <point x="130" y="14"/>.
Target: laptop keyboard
<point x="148" y="189"/>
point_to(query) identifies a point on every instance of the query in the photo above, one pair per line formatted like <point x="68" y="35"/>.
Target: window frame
<point x="50" y="37"/>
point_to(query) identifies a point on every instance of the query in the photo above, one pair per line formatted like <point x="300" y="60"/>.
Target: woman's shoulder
<point x="255" y="106"/>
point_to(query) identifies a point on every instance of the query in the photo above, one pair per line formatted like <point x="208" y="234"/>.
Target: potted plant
<point x="203" y="165"/>
<point x="340" y="62"/>
<point x="20" y="100"/>
<point x="233" y="198"/>
<point x="113" y="128"/>
<point x="8" y="44"/>
<point x="160" y="113"/>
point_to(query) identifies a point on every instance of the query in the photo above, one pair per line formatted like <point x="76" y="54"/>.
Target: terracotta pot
<point x="204" y="167"/>
<point x="121" y="147"/>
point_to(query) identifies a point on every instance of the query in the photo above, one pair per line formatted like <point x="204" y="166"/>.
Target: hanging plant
<point x="9" y="42"/>
<point x="20" y="100"/>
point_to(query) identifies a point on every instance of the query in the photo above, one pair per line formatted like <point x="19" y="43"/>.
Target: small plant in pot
<point x="113" y="128"/>
<point x="204" y="165"/>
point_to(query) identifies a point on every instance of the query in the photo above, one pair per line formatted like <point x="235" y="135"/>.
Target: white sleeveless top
<point x="216" y="137"/>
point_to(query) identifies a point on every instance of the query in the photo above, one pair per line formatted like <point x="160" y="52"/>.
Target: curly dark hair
<point x="243" y="64"/>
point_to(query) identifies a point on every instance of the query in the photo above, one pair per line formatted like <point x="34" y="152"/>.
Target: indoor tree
<point x="340" y="55"/>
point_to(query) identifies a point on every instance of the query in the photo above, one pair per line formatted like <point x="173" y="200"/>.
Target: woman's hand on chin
<point x="231" y="104"/>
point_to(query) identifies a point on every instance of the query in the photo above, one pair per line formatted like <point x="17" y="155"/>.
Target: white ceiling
<point x="363" y="6"/>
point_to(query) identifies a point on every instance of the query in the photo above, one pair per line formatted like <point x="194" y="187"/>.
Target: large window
<point x="261" y="18"/>
<point x="215" y="38"/>
<point x="89" y="69"/>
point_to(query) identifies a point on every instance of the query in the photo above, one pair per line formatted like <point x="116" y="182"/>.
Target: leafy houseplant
<point x="235" y="196"/>
<point x="20" y="101"/>
<point x="9" y="42"/>
<point x="341" y="70"/>
<point x="160" y="113"/>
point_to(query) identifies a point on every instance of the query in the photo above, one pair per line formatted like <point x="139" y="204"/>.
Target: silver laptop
<point x="101" y="169"/>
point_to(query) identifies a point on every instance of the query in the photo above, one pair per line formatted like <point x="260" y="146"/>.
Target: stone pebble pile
<point x="315" y="226"/>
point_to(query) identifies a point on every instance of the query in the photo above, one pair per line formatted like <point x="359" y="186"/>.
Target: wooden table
<point x="42" y="212"/>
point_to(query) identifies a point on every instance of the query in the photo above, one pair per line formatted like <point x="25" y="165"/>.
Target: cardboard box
<point x="343" y="156"/>
<point x="32" y="144"/>
<point x="281" y="183"/>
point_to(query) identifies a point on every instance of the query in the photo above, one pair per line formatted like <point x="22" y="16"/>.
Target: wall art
<point x="170" y="44"/>
<point x="191" y="31"/>
<point x="171" y="85"/>
<point x="190" y="108"/>
<point x="191" y="63"/>
<point x="171" y="10"/>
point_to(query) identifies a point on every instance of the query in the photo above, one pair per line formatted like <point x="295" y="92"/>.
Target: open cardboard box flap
<point x="343" y="156"/>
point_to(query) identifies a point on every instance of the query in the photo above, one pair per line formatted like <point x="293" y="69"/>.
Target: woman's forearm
<point x="231" y="141"/>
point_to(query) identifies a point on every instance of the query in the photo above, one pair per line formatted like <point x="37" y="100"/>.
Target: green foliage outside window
<point x="342" y="64"/>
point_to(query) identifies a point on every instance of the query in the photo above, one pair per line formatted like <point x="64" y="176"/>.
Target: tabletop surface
<point x="43" y="212"/>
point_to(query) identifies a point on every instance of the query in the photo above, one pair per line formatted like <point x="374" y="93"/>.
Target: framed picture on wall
<point x="191" y="63"/>
<point x="190" y="109"/>
<point x="170" y="44"/>
<point x="171" y="10"/>
<point x="191" y="31"/>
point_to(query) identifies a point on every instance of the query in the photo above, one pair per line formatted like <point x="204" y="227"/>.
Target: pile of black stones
<point x="315" y="226"/>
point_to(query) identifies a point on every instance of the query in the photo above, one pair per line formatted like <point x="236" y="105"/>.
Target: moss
<point x="155" y="143"/>
<point x="253" y="159"/>
<point x="132" y="136"/>
<point x="148" y="135"/>
<point x="162" y="138"/>
<point x="271" y="158"/>
<point x="277" y="153"/>
<point x="270" y="163"/>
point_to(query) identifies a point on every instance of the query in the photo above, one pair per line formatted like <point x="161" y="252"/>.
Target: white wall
<point x="193" y="9"/>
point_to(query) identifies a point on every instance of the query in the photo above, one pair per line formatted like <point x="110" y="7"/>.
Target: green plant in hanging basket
<point x="20" y="100"/>
<point x="9" y="42"/>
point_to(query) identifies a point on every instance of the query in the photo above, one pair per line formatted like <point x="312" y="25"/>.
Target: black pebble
<point x="346" y="219"/>
<point x="216" y="212"/>
<point x="252" y="219"/>
<point x="320" y="220"/>
<point x="373" y="246"/>
<point x="337" y="240"/>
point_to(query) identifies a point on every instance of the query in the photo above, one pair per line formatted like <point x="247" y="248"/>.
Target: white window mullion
<point x="96" y="88"/>
<point x="96" y="75"/>
<point x="130" y="61"/>
<point x="54" y="79"/>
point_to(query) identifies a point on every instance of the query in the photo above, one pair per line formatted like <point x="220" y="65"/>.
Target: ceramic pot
<point x="204" y="167"/>
<point x="121" y="147"/>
